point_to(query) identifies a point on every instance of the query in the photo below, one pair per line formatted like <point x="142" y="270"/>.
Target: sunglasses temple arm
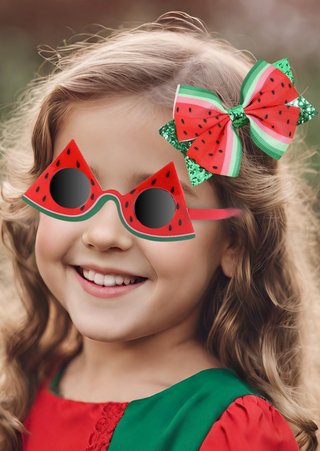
<point x="214" y="213"/>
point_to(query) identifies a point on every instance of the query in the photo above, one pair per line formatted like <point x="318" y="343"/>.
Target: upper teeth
<point x="107" y="279"/>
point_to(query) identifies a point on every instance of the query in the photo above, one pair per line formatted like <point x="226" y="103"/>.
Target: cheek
<point x="196" y="258"/>
<point x="53" y="239"/>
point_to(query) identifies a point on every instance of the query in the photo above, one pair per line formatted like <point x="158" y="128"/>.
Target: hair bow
<point x="268" y="102"/>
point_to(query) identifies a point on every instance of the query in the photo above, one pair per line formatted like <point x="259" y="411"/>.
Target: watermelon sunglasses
<point x="154" y="210"/>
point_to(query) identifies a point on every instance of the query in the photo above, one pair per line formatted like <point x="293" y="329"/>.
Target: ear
<point x="227" y="260"/>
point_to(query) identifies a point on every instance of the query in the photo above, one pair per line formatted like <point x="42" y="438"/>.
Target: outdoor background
<point x="269" y="29"/>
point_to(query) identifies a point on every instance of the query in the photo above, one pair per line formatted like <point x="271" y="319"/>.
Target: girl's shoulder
<point x="250" y="422"/>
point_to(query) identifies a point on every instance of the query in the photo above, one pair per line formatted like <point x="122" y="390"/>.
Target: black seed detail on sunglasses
<point x="218" y="142"/>
<point x="289" y="85"/>
<point x="204" y="120"/>
<point x="266" y="116"/>
<point x="217" y="117"/>
<point x="196" y="148"/>
<point x="259" y="100"/>
<point x="184" y="132"/>
<point x="272" y="126"/>
<point x="178" y="206"/>
<point x="288" y="106"/>
<point x="46" y="176"/>
<point x="167" y="174"/>
<point x="272" y="92"/>
<point x="203" y="141"/>
<point x="131" y="219"/>
<point x="190" y="110"/>
<point x="219" y="125"/>
<point x="261" y="93"/>
<point x="131" y="192"/>
<point x="153" y="181"/>
<point x="92" y="182"/>
<point x="82" y="207"/>
<point x="210" y="154"/>
<point x="177" y="109"/>
<point x="280" y="112"/>
<point x="210" y="132"/>
<point x="126" y="204"/>
<point x="282" y="84"/>
<point x="199" y="125"/>
<point x="38" y="189"/>
<point x="57" y="163"/>
<point x="288" y="121"/>
<point x="68" y="151"/>
<point x="286" y="101"/>
<point x="215" y="167"/>
<point x="209" y="112"/>
<point x="172" y="189"/>
<point x="220" y="150"/>
<point x="290" y="133"/>
<point x="78" y="164"/>
<point x="182" y="120"/>
<point x="271" y="79"/>
<point x="180" y="222"/>
<point x="44" y="198"/>
<point x="170" y="228"/>
<point x="92" y="196"/>
<point x="196" y="134"/>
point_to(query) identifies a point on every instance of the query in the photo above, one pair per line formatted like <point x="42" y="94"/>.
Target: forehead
<point x="119" y="139"/>
<point x="120" y="133"/>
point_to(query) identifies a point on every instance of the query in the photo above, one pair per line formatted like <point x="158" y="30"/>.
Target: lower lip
<point x="106" y="292"/>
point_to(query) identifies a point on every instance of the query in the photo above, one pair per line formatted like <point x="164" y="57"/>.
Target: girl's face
<point x="120" y="138"/>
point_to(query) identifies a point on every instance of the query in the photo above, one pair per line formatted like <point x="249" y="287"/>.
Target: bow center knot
<point x="238" y="116"/>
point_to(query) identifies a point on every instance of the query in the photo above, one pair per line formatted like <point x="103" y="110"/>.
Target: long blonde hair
<point x="258" y="322"/>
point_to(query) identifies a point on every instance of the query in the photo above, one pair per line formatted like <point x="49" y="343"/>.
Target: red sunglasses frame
<point x="39" y="197"/>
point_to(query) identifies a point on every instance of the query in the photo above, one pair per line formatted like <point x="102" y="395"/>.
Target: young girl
<point x="204" y="351"/>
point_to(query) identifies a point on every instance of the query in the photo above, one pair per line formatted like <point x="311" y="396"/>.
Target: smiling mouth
<point x="80" y="272"/>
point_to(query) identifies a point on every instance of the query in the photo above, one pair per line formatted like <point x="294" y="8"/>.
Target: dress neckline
<point x="52" y="388"/>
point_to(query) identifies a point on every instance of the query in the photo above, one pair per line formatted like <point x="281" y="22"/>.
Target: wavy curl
<point x="261" y="321"/>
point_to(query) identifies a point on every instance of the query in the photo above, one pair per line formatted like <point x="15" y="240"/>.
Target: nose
<point x="105" y="229"/>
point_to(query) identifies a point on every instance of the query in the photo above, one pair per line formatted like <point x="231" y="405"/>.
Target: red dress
<point x="59" y="424"/>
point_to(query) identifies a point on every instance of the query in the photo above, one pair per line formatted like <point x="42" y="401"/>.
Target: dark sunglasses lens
<point x="154" y="208"/>
<point x="70" y="188"/>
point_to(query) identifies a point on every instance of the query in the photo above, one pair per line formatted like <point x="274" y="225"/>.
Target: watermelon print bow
<point x="268" y="102"/>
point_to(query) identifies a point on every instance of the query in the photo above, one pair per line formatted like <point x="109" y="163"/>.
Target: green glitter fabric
<point x="199" y="174"/>
<point x="307" y="111"/>
<point x="284" y="66"/>
<point x="238" y="116"/>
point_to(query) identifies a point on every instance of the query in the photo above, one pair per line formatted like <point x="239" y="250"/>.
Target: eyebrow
<point x="139" y="178"/>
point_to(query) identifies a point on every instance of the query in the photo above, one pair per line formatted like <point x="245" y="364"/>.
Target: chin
<point x="94" y="330"/>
